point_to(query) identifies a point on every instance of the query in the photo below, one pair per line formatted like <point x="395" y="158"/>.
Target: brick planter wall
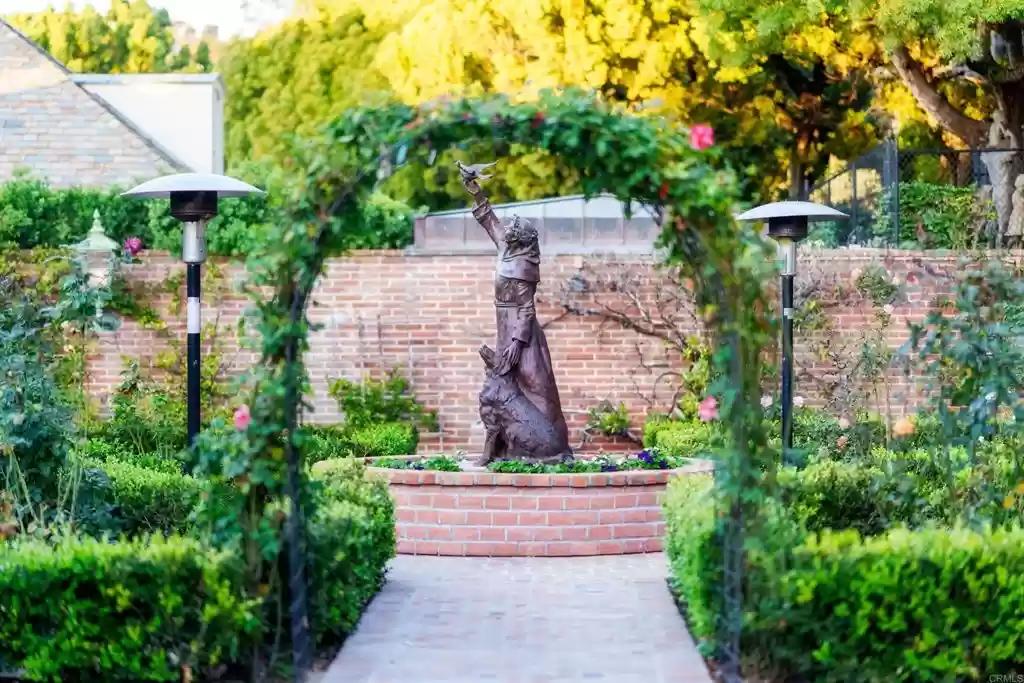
<point x="489" y="514"/>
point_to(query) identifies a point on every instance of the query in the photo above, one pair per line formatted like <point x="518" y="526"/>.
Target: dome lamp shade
<point x="193" y="195"/>
<point x="788" y="220"/>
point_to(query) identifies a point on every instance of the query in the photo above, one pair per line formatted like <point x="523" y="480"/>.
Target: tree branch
<point x="971" y="131"/>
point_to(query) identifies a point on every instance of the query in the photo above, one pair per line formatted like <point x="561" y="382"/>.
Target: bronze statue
<point x="519" y="403"/>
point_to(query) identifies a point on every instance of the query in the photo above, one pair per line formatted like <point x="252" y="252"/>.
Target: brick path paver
<point x="521" y="620"/>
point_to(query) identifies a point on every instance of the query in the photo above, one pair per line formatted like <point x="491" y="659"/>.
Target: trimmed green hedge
<point x="653" y="424"/>
<point x="33" y="214"/>
<point x="88" y="610"/>
<point x="104" y="450"/>
<point x="829" y="494"/>
<point x="933" y="604"/>
<point x="694" y="555"/>
<point x="936" y="216"/>
<point x="686" y="439"/>
<point x="372" y="441"/>
<point x="145" y="500"/>
<point x="930" y="604"/>
<point x="323" y="442"/>
<point x="381" y="440"/>
<point x="351" y="538"/>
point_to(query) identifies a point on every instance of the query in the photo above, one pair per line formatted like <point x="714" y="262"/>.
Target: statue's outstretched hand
<point x="511" y="355"/>
<point x="471" y="175"/>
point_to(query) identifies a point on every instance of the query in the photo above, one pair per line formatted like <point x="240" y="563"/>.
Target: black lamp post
<point x="193" y="202"/>
<point x="787" y="225"/>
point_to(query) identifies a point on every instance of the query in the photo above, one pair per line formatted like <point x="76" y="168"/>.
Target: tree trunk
<point x="796" y="175"/>
<point x="971" y="131"/>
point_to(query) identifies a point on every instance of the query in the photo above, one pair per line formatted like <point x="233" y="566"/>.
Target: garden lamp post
<point x="95" y="255"/>
<point x="787" y="225"/>
<point x="96" y="252"/>
<point x="193" y="202"/>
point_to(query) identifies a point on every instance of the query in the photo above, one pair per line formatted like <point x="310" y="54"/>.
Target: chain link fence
<point x="918" y="198"/>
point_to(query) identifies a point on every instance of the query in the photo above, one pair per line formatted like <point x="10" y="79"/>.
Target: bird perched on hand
<point x="474" y="171"/>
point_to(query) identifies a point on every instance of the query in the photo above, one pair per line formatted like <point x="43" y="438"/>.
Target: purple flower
<point x="644" y="455"/>
<point x="133" y="245"/>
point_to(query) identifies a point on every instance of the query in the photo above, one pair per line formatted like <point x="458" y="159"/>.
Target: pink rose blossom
<point x="133" y="245"/>
<point x="242" y="418"/>
<point x="842" y="441"/>
<point x="702" y="136"/>
<point x="707" y="410"/>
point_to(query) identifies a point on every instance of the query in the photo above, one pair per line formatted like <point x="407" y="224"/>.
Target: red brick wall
<point x="429" y="314"/>
<point x="528" y="515"/>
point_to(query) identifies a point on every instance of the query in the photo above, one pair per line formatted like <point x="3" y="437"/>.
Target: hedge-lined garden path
<point x="521" y="620"/>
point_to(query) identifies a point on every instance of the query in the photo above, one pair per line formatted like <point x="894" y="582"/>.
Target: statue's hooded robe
<point x="515" y="284"/>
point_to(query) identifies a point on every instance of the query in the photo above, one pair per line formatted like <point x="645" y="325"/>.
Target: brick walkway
<point x="521" y="620"/>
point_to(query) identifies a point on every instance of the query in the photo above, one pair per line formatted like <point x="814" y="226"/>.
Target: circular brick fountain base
<point x="491" y="514"/>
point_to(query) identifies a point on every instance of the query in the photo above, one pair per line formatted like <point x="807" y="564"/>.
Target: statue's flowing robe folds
<point x="515" y="284"/>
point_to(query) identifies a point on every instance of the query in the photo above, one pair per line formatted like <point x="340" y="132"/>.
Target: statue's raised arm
<point x="482" y="211"/>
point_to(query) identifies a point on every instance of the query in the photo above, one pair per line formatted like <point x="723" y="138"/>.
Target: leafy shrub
<point x="147" y="500"/>
<point x="913" y="488"/>
<point x="814" y="428"/>
<point x="385" y="223"/>
<point x="994" y="491"/>
<point x="867" y="432"/>
<point x="103" y="450"/>
<point x="694" y="554"/>
<point x="928" y="433"/>
<point x="830" y="494"/>
<point x="145" y="416"/>
<point x="89" y="610"/>
<point x="351" y="538"/>
<point x="936" y="216"/>
<point x="608" y="419"/>
<point x="933" y="604"/>
<point x="33" y="214"/>
<point x="975" y="357"/>
<point x="687" y="439"/>
<point x="389" y="438"/>
<point x="817" y="433"/>
<point x="374" y="440"/>
<point x="347" y="479"/>
<point x="35" y="421"/>
<point x="653" y="424"/>
<point x="322" y="442"/>
<point x="930" y="604"/>
<point x="350" y="546"/>
<point x="385" y="400"/>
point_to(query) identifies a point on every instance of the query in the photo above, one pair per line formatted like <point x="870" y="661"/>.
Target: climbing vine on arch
<point x="637" y="158"/>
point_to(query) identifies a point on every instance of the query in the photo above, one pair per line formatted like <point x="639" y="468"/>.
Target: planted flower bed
<point x="594" y="506"/>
